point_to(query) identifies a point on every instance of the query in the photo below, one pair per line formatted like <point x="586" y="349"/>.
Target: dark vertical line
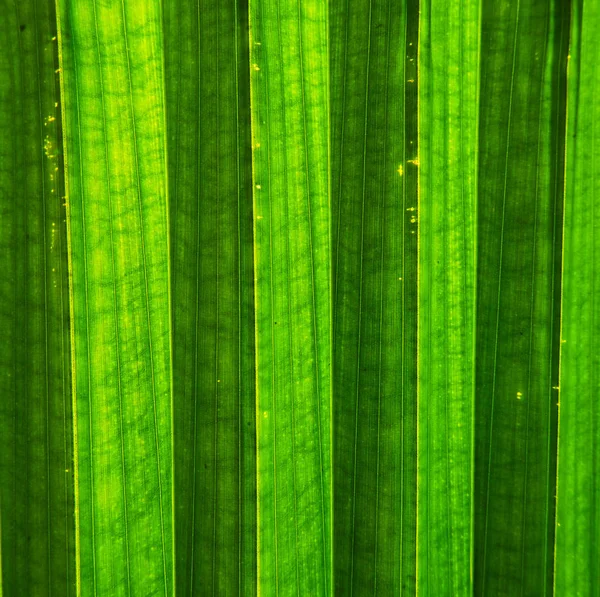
<point x="411" y="250"/>
<point x="65" y="319"/>
<point x="559" y="99"/>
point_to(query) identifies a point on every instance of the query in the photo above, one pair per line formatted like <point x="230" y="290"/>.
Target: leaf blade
<point x="119" y="250"/>
<point x="293" y="314"/>
<point x="576" y="550"/>
<point x="448" y="121"/>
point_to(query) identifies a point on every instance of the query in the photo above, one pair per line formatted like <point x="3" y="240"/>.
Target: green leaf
<point x="521" y="151"/>
<point x="36" y="476"/>
<point x="117" y="201"/>
<point x="374" y="213"/>
<point x="289" y="91"/>
<point x="448" y="120"/>
<point x="578" y="524"/>
<point x="210" y="193"/>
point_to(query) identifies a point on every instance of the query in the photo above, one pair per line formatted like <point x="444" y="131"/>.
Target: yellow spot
<point x="400" y="170"/>
<point x="266" y="415"/>
<point x="58" y="70"/>
<point x="556" y="387"/>
<point x="258" y="186"/>
<point x="519" y="395"/>
<point x="413" y="220"/>
<point x="411" y="208"/>
<point x="414" y="162"/>
<point x="410" y="81"/>
<point x="259" y="217"/>
<point x="218" y="381"/>
<point x="255" y="67"/>
<point x="563" y="341"/>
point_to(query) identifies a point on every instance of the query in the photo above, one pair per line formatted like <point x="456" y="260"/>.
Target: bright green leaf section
<point x="520" y="194"/>
<point x="36" y="475"/>
<point x="116" y="175"/>
<point x="289" y="84"/>
<point x="210" y="195"/>
<point x="448" y="111"/>
<point x="577" y="570"/>
<point x="374" y="138"/>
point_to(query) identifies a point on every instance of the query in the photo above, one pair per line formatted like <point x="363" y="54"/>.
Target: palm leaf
<point x="285" y="302"/>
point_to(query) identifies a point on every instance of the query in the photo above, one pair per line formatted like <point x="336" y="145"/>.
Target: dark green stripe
<point x="521" y="136"/>
<point x="36" y="474"/>
<point x="374" y="136"/>
<point x="210" y="187"/>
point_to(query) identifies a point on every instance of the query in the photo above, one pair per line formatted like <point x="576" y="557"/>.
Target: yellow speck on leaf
<point x="400" y="170"/>
<point x="414" y="162"/>
<point x="519" y="395"/>
<point x="255" y="67"/>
